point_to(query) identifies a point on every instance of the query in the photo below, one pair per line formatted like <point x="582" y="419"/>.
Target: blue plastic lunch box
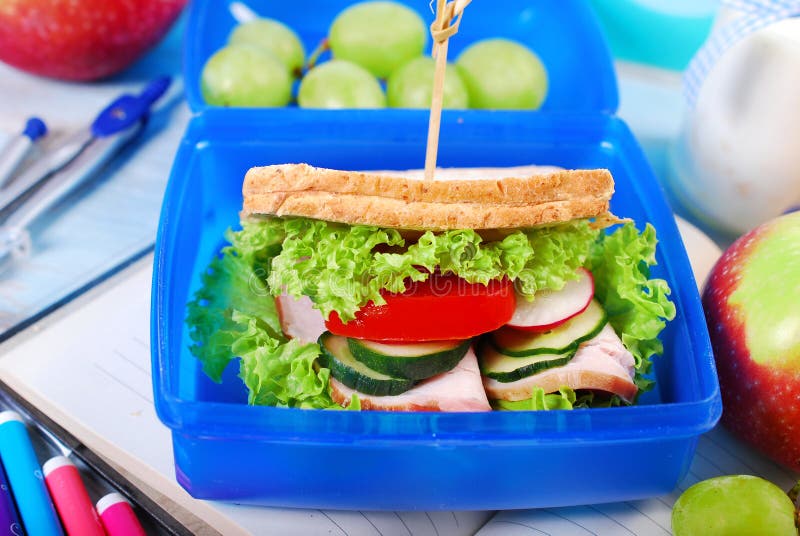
<point x="227" y="450"/>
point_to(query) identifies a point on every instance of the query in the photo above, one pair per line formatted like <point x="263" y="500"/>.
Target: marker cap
<point x="54" y="463"/>
<point x="8" y="416"/>
<point x="110" y="500"/>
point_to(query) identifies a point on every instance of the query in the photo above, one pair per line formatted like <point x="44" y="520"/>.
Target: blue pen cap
<point x="35" y="128"/>
<point x="25" y="477"/>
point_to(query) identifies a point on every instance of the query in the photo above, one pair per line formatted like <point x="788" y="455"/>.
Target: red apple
<point x="752" y="306"/>
<point x="81" y="39"/>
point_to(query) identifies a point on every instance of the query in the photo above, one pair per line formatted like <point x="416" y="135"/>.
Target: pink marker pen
<point x="71" y="499"/>
<point x="118" y="517"/>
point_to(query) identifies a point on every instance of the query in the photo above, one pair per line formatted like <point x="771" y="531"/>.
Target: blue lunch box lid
<point x="565" y="34"/>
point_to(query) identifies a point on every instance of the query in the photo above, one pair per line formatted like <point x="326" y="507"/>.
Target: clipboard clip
<point x="68" y="165"/>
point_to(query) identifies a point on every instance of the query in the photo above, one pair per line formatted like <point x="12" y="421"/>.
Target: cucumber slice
<point x="415" y="361"/>
<point x="560" y="340"/>
<point x="504" y="368"/>
<point x="354" y="374"/>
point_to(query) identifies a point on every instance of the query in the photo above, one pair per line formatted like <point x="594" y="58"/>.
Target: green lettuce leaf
<point x="539" y="401"/>
<point x="330" y="264"/>
<point x="279" y="373"/>
<point x="558" y="252"/>
<point x="342" y="268"/>
<point x="565" y="398"/>
<point x="233" y="315"/>
<point x="230" y="283"/>
<point x="637" y="306"/>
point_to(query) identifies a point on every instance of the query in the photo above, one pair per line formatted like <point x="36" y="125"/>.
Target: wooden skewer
<point x="448" y="18"/>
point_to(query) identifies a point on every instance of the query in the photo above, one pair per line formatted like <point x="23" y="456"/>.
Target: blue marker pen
<point x="25" y="476"/>
<point x="9" y="518"/>
<point x="17" y="148"/>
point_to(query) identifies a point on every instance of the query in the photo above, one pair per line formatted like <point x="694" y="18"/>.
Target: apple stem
<point x="323" y="47"/>
<point x="793" y="495"/>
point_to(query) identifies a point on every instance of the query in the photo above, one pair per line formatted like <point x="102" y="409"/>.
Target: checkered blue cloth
<point x="754" y="15"/>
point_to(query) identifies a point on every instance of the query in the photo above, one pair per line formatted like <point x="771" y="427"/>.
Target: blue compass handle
<point x="127" y="109"/>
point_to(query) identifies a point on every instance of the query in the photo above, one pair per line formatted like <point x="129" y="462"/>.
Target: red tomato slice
<point x="441" y="308"/>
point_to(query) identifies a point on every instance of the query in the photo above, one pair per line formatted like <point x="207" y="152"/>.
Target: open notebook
<point x="88" y="369"/>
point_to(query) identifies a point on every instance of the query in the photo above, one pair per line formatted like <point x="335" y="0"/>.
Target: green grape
<point x="503" y="74"/>
<point x="411" y="86"/>
<point x="379" y="36"/>
<point x="275" y="37"/>
<point x="739" y="505"/>
<point x="244" y="75"/>
<point x="340" y="84"/>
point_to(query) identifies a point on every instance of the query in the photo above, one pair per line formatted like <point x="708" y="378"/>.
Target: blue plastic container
<point x="227" y="450"/>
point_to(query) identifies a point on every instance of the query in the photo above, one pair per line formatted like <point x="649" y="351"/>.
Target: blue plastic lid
<point x="565" y="34"/>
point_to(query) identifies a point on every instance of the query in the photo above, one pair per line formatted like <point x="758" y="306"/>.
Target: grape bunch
<point x="377" y="61"/>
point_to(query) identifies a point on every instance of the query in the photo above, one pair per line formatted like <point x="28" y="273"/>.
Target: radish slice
<point x="551" y="308"/>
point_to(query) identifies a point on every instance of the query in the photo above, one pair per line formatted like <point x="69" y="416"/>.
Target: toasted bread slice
<point x="477" y="198"/>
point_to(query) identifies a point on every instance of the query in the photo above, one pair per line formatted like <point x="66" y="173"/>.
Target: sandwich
<point x="484" y="289"/>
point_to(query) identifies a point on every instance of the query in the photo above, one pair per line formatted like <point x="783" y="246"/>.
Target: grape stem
<point x="322" y="47"/>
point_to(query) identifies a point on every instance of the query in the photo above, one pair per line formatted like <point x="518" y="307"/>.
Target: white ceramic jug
<point x="737" y="161"/>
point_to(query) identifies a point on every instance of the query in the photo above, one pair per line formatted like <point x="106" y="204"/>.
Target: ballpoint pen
<point x="70" y="164"/>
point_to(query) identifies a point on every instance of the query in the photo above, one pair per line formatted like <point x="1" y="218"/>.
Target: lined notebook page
<point x="89" y="370"/>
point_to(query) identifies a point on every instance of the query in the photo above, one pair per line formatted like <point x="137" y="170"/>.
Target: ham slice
<point x="602" y="363"/>
<point x="459" y="389"/>
<point x="299" y="319"/>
